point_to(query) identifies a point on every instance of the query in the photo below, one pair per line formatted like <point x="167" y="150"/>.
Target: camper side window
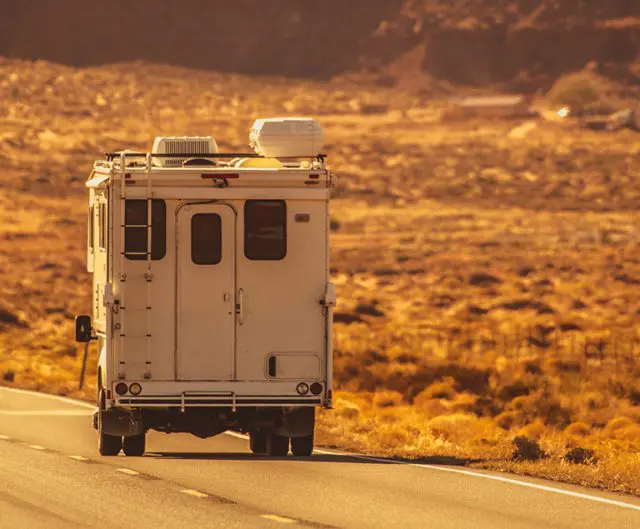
<point x="91" y="228"/>
<point x="136" y="225"/>
<point x="102" y="226"/>
<point x="265" y="230"/>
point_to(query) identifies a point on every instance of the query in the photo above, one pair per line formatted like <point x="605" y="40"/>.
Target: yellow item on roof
<point x="264" y="163"/>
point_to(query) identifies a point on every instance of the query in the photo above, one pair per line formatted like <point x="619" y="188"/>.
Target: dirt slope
<point x="307" y="39"/>
<point x="519" y="44"/>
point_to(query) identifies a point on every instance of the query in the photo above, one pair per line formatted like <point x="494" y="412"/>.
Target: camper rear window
<point x="265" y="230"/>
<point x="135" y="233"/>
<point x="206" y="239"/>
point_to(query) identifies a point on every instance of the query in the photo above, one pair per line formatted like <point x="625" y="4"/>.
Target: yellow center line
<point x="5" y="437"/>
<point x="276" y="518"/>
<point x="128" y="471"/>
<point x="195" y="493"/>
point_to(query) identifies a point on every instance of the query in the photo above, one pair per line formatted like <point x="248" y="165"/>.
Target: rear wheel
<point x="302" y="446"/>
<point x="277" y="445"/>
<point x="258" y="442"/>
<point x="108" y="445"/>
<point x="134" y="445"/>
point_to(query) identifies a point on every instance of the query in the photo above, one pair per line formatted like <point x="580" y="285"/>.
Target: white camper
<point x="212" y="306"/>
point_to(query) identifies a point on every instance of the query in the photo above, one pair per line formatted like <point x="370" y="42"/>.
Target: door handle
<point x="240" y="307"/>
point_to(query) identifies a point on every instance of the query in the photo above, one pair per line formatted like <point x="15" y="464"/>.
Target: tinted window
<point x="265" y="230"/>
<point x="135" y="236"/>
<point x="206" y="239"/>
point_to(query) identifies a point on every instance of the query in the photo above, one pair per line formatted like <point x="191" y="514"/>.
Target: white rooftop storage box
<point x="287" y="137"/>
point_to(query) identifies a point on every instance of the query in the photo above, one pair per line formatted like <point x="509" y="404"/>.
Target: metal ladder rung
<point x="148" y="226"/>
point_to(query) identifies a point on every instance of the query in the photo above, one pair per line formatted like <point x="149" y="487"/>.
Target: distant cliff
<point x="305" y="38"/>
<point x="519" y="43"/>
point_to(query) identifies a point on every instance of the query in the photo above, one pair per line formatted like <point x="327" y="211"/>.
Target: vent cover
<point x="186" y="145"/>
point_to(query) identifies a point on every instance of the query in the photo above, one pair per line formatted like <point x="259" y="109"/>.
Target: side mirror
<point x="83" y="328"/>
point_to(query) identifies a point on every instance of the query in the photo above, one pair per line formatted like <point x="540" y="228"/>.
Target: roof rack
<point x="113" y="155"/>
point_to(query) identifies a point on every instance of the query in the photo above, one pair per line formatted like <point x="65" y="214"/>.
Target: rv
<point x="212" y="305"/>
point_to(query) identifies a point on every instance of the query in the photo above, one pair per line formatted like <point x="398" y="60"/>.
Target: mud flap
<point x="297" y="423"/>
<point x="121" y="423"/>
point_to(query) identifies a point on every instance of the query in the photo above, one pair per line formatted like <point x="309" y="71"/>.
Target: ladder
<point x="123" y="254"/>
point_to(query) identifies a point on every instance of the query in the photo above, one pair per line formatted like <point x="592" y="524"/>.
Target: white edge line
<point x="68" y="400"/>
<point x="471" y="473"/>
<point x="276" y="518"/>
<point x="5" y="437"/>
<point x="128" y="471"/>
<point x="474" y="474"/>
<point x="37" y="447"/>
<point x="195" y="493"/>
<point x="79" y="458"/>
<point x="511" y="481"/>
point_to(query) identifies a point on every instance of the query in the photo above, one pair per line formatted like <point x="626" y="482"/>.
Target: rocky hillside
<point x="515" y="44"/>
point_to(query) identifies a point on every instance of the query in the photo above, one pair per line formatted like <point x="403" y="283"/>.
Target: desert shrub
<point x="580" y="456"/>
<point x="470" y="379"/>
<point x="346" y="409"/>
<point x="449" y="427"/>
<point x="431" y="407"/>
<point x="577" y="429"/>
<point x="509" y="419"/>
<point x="580" y="91"/>
<point x="464" y="403"/>
<point x="623" y="429"/>
<point x="387" y="399"/>
<point x="527" y="449"/>
<point x="519" y="388"/>
<point x="440" y="390"/>
<point x="373" y="356"/>
<point x="535" y="430"/>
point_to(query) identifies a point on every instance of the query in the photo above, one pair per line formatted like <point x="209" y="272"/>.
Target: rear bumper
<point x="183" y="395"/>
<point x="188" y="400"/>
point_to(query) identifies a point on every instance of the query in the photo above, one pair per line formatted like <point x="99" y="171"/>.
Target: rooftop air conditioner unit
<point x="184" y="146"/>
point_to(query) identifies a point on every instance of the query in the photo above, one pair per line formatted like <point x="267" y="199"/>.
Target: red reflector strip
<point x="314" y="176"/>
<point x="220" y="176"/>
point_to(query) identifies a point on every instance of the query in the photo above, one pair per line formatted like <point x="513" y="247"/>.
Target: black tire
<point x="277" y="445"/>
<point x="258" y="442"/>
<point x="134" y="445"/>
<point x="108" y="445"/>
<point x="302" y="446"/>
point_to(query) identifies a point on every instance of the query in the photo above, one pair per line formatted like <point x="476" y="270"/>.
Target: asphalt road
<point x="51" y="476"/>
